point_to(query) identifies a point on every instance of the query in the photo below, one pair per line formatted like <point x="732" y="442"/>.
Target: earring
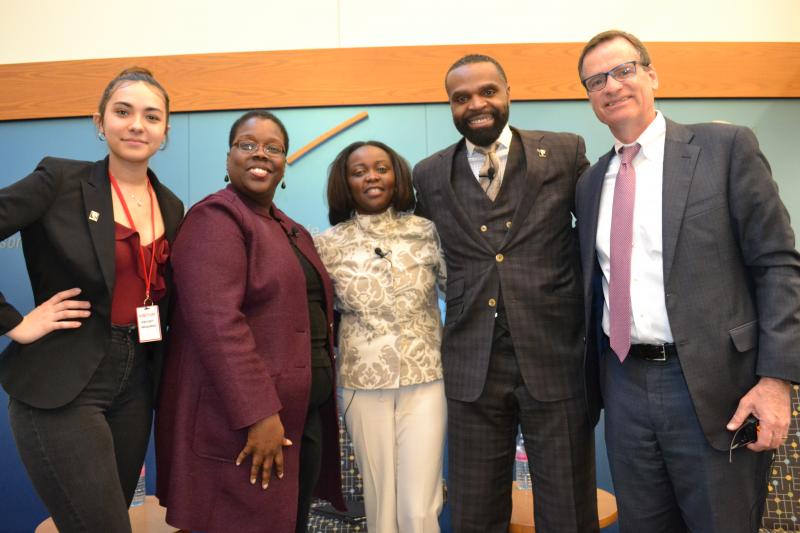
<point x="283" y="184"/>
<point x="163" y="145"/>
<point x="101" y="136"/>
<point x="226" y="179"/>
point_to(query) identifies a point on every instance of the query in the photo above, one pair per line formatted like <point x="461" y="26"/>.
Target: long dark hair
<point x="340" y="200"/>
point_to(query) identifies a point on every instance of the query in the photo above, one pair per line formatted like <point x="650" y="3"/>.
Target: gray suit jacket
<point x="539" y="272"/>
<point x="731" y="271"/>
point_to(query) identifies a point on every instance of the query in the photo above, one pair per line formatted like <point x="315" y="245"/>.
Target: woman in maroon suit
<point x="247" y="414"/>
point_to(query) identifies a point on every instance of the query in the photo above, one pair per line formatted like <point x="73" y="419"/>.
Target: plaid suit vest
<point x="494" y="216"/>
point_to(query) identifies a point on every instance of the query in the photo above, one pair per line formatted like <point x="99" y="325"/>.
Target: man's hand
<point x="769" y="401"/>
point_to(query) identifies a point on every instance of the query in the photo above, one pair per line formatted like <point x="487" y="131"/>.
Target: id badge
<point x="148" y="323"/>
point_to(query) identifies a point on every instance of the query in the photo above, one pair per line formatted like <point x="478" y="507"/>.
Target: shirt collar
<point x="504" y="140"/>
<point x="376" y="221"/>
<point x="651" y="139"/>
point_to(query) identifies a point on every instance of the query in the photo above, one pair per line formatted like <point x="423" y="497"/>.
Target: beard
<point x="484" y="136"/>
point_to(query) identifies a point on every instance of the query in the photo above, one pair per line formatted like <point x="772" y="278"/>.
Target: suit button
<point x="499" y="258"/>
<point x="508" y="224"/>
<point x="484" y="229"/>
<point x="492" y="302"/>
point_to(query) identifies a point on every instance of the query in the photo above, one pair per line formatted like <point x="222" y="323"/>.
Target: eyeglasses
<point x="621" y="72"/>
<point x="249" y="147"/>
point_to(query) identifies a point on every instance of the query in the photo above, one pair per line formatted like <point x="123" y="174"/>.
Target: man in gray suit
<point x="692" y="303"/>
<point x="501" y="199"/>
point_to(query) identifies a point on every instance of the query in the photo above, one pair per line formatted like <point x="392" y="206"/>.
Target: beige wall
<point x="55" y="30"/>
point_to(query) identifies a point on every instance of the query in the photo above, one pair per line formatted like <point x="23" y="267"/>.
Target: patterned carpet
<point x="782" y="513"/>
<point x="783" y="499"/>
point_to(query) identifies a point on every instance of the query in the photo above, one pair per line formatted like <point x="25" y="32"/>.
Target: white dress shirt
<point x="476" y="159"/>
<point x="649" y="321"/>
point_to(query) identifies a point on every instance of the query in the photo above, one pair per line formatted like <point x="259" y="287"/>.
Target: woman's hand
<point x="265" y="443"/>
<point x="59" y="312"/>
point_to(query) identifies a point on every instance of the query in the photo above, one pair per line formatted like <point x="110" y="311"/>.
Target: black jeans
<point x="311" y="446"/>
<point x="84" y="458"/>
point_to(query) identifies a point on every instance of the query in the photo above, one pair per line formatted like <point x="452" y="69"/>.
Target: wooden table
<point x="147" y="518"/>
<point x="522" y="511"/>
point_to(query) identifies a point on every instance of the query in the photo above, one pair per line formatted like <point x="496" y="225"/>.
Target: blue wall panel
<point x="193" y="166"/>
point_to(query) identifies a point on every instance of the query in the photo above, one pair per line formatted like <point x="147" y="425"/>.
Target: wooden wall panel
<point x="390" y="75"/>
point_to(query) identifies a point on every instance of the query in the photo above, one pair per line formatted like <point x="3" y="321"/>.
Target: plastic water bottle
<point x="141" y="490"/>
<point x="521" y="471"/>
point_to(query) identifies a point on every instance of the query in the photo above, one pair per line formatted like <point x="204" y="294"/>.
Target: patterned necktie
<point x="619" y="287"/>
<point x="488" y="175"/>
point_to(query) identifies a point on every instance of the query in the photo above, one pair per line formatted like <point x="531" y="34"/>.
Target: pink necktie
<point x="619" y="286"/>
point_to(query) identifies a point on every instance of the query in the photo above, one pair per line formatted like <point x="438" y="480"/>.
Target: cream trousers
<point x="398" y="437"/>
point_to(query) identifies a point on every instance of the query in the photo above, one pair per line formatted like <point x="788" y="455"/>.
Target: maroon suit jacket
<point x="239" y="351"/>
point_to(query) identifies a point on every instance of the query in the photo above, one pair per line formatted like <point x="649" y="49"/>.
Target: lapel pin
<point x="94" y="216"/>
<point x="542" y="152"/>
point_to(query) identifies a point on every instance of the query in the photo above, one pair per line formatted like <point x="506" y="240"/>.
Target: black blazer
<point x="53" y="208"/>
<point x="539" y="272"/>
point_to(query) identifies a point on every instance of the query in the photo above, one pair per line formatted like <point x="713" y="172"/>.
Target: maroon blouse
<point x="129" y="277"/>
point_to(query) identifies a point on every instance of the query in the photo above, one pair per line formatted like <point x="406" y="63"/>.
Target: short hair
<point x="476" y="58"/>
<point x="340" y="200"/>
<point x="262" y="114"/>
<point x="644" y="55"/>
<point x="131" y="74"/>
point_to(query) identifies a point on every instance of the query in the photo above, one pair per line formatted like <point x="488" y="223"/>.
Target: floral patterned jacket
<point x="385" y="270"/>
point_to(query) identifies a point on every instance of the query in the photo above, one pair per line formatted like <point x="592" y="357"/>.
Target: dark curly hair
<point x="476" y="58"/>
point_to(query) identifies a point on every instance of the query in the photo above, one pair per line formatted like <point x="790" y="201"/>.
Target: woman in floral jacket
<point x="385" y="263"/>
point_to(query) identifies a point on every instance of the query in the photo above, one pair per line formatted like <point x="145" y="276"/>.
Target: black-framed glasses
<point x="272" y="150"/>
<point x="621" y="72"/>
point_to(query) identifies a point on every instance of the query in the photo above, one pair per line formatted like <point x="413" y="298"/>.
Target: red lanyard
<point x="148" y="273"/>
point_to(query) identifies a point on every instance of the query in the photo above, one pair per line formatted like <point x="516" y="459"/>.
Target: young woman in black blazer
<point x="96" y="240"/>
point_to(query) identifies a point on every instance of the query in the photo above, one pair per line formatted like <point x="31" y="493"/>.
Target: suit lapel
<point x="99" y="213"/>
<point x="443" y="173"/>
<point x="305" y="245"/>
<point x="680" y="159"/>
<point x="534" y="172"/>
<point x="587" y="217"/>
